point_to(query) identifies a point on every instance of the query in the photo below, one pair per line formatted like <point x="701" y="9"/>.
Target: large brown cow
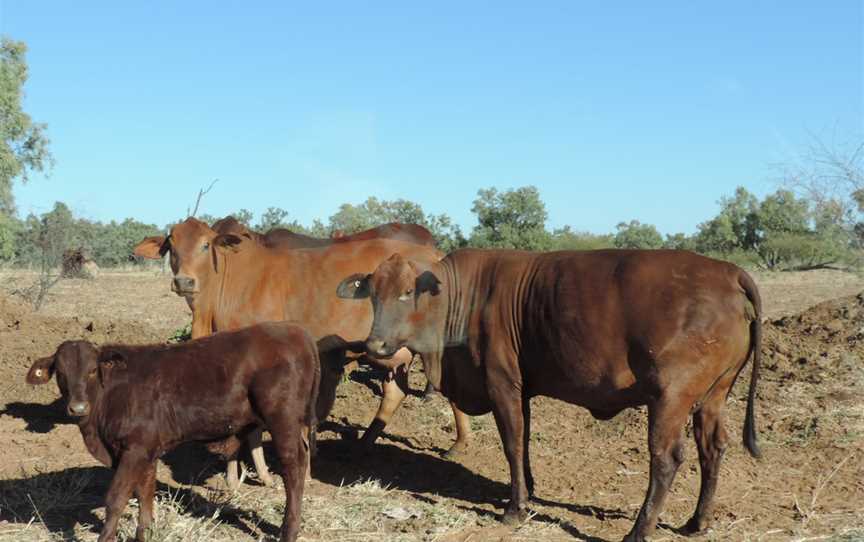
<point x="135" y="403"/>
<point x="284" y="238"/>
<point x="231" y="281"/>
<point x="606" y="330"/>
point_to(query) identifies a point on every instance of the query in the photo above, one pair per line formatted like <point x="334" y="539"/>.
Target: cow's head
<point x="400" y="294"/>
<point x="193" y="248"/>
<point x="81" y="373"/>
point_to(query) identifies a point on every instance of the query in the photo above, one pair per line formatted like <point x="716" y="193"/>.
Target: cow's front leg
<point x="145" y="491"/>
<point x="507" y="408"/>
<point x="133" y="465"/>
<point x="394" y="388"/>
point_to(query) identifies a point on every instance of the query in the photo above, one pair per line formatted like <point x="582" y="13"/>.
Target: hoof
<point x="265" y="479"/>
<point x="513" y="517"/>
<point x="455" y="452"/>
<point x="693" y="528"/>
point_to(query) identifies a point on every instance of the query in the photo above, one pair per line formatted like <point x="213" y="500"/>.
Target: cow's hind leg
<point x="462" y="423"/>
<point x="257" y="451"/>
<point x="666" y="419"/>
<point x="711" y="439"/>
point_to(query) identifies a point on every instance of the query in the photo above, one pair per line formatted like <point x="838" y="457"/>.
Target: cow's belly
<point x="463" y="382"/>
<point x="604" y="385"/>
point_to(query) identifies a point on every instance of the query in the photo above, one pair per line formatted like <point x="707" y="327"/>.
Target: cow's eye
<point x="205" y="247"/>
<point x="406" y="296"/>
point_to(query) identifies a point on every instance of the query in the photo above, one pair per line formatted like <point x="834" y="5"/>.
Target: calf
<point x="134" y="403"/>
<point x="606" y="330"/>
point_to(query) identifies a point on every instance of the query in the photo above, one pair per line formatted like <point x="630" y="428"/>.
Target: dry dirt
<point x="591" y="475"/>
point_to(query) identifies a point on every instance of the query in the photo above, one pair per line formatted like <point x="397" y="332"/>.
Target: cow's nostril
<point x="78" y="408"/>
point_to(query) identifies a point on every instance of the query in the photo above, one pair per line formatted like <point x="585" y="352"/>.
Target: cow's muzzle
<point x="379" y="348"/>
<point x="78" y="408"/>
<point x="183" y="285"/>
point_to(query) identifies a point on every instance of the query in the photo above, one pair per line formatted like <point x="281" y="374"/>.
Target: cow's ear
<point x="224" y="243"/>
<point x="41" y="371"/>
<point x="427" y="282"/>
<point x="152" y="247"/>
<point x="228" y="241"/>
<point x="109" y="362"/>
<point x="354" y="287"/>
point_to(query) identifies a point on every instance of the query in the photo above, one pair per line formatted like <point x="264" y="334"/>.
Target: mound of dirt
<point x="826" y="339"/>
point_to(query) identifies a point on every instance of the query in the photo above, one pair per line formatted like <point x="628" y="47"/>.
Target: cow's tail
<point x="752" y="293"/>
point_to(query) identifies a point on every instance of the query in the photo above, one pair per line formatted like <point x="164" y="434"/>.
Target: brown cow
<point x="231" y="281"/>
<point x="283" y="238"/>
<point x="134" y="403"/>
<point x="606" y="330"/>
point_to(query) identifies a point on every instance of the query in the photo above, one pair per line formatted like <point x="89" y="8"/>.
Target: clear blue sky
<point x="617" y="111"/>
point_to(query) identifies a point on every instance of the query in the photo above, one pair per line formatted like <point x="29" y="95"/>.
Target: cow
<point x="606" y="330"/>
<point x="284" y="238"/>
<point x="135" y="403"/>
<point x="232" y="280"/>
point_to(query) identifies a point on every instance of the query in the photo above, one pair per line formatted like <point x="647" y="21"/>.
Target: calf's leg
<point x="133" y="464"/>
<point x="666" y="418"/>
<point x="145" y="491"/>
<point x="526" y="417"/>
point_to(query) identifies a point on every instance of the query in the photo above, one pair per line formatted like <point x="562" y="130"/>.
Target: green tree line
<point x="781" y="231"/>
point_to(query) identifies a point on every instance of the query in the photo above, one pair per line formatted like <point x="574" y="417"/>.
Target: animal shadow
<point x="62" y="500"/>
<point x="40" y="418"/>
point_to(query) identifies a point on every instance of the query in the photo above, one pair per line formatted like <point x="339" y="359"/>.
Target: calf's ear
<point x="108" y="362"/>
<point x="224" y="243"/>
<point x="427" y="282"/>
<point x="355" y="286"/>
<point x="41" y="371"/>
<point x="151" y="247"/>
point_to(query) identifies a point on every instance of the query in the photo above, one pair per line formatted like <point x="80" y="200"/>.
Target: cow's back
<point x="585" y="316"/>
<point x="300" y="285"/>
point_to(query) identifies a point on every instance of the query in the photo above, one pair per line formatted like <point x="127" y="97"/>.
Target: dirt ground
<point x="590" y="475"/>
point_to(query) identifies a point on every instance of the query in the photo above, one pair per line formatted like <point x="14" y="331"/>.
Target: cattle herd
<point x="276" y="318"/>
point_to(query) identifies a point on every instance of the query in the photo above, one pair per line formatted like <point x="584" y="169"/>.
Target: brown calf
<point x="134" y="403"/>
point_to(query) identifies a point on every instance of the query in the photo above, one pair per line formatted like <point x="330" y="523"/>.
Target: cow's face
<point x="190" y="244"/>
<point x="400" y="296"/>
<point x="79" y="374"/>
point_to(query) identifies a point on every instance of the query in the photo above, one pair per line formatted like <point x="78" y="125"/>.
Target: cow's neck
<point x="89" y="427"/>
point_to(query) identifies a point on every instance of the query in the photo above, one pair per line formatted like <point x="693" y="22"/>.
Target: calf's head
<point x="401" y="293"/>
<point x="81" y="372"/>
<point x="194" y="250"/>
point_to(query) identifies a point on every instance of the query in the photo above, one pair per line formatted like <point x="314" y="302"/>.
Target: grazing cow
<point x="606" y="330"/>
<point x="134" y="403"/>
<point x="232" y="280"/>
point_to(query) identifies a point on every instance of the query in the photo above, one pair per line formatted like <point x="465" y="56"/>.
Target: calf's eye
<point x="205" y="247"/>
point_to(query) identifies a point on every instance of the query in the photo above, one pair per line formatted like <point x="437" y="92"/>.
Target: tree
<point x="374" y="212"/>
<point x="46" y="238"/>
<point x="23" y="143"/>
<point x="734" y="228"/>
<point x="634" y="234"/>
<point x="512" y="219"/>
<point x="831" y="174"/>
<point x="567" y="239"/>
